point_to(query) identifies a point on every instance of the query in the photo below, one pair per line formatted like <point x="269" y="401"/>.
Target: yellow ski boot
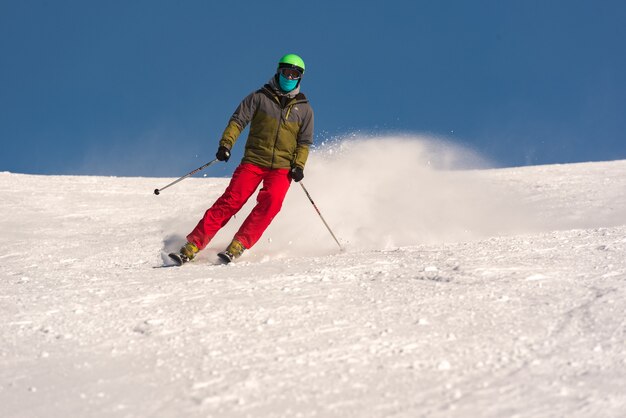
<point x="187" y="253"/>
<point x="234" y="251"/>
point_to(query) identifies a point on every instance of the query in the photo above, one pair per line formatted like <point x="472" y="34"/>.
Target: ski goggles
<point x="290" y="73"/>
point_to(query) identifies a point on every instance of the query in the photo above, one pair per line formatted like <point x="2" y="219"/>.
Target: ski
<point x="178" y="258"/>
<point x="225" y="257"/>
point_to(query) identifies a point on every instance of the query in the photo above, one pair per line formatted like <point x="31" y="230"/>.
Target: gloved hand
<point x="223" y="153"/>
<point x="297" y="173"/>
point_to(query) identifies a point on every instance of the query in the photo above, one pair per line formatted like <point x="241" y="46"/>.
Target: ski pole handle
<point x="191" y="173"/>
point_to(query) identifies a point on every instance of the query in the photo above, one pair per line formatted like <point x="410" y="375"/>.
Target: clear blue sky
<point x="147" y="87"/>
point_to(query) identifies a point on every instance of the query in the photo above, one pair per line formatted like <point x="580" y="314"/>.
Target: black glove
<point x="223" y="153"/>
<point x="297" y="173"/>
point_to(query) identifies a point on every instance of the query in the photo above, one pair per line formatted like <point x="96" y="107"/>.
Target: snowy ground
<point x="462" y="293"/>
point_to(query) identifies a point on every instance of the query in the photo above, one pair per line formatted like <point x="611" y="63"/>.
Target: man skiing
<point x="276" y="151"/>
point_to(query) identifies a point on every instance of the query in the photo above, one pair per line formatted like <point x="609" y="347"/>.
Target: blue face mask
<point x="286" y="84"/>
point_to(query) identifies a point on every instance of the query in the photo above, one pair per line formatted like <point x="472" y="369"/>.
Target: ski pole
<point x="320" y="214"/>
<point x="157" y="191"/>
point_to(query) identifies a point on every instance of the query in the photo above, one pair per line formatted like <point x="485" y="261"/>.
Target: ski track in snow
<point x="493" y="292"/>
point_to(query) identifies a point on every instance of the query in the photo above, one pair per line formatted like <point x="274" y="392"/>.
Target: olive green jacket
<point x="281" y="128"/>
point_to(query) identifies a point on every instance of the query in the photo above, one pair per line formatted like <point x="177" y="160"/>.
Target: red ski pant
<point x="245" y="181"/>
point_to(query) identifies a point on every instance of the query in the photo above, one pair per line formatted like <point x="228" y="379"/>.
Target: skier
<point x="276" y="151"/>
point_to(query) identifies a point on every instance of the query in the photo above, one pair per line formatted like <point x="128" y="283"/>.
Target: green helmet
<point x="291" y="61"/>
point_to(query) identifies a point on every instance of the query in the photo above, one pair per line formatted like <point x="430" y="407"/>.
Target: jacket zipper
<point x="280" y="120"/>
<point x="277" y="132"/>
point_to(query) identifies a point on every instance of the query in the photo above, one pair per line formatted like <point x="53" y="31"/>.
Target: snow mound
<point x="466" y="291"/>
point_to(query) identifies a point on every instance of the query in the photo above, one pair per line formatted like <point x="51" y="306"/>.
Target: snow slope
<point x="482" y="292"/>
